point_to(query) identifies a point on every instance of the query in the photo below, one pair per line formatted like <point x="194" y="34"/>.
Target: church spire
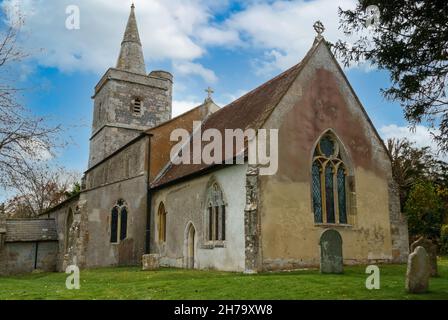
<point x="131" y="54"/>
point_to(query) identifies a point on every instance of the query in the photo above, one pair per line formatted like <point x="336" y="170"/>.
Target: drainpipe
<point x="148" y="223"/>
<point x="148" y="201"/>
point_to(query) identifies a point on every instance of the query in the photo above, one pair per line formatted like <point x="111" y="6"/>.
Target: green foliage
<point x="411" y="43"/>
<point x="424" y="210"/>
<point x="444" y="239"/>
<point x="76" y="189"/>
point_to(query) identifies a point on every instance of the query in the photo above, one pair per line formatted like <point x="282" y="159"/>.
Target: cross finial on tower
<point x="210" y="92"/>
<point x="319" y="28"/>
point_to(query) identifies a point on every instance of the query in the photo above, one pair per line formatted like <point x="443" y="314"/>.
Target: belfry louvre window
<point x="119" y="222"/>
<point x="216" y="214"/>
<point x="137" y="106"/>
<point x="329" y="182"/>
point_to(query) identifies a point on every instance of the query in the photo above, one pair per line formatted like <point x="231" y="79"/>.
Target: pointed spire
<point x="131" y="54"/>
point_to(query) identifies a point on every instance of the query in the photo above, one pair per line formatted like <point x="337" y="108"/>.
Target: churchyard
<point x="167" y="284"/>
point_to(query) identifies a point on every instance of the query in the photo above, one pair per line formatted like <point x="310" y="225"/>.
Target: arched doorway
<point x="191" y="250"/>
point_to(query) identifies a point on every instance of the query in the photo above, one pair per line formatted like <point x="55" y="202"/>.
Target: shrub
<point x="444" y="239"/>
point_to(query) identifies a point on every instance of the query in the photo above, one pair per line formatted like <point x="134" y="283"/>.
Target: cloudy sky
<point x="231" y="45"/>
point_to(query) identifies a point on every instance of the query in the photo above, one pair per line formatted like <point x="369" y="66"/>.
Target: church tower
<point x="128" y="101"/>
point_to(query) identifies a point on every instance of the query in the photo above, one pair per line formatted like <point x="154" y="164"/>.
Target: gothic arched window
<point x="162" y="222"/>
<point x="329" y="182"/>
<point x="119" y="222"/>
<point x="216" y="214"/>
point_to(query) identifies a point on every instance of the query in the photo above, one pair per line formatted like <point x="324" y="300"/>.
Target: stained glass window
<point x="328" y="185"/>
<point x="329" y="194"/>
<point x="342" y="196"/>
<point x="317" y="196"/>
<point x="327" y="146"/>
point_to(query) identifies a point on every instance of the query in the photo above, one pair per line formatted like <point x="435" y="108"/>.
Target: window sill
<point x="333" y="225"/>
<point x="214" y="244"/>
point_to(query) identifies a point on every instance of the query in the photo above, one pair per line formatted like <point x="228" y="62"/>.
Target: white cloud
<point x="166" y="30"/>
<point x="285" y="28"/>
<point x="421" y="135"/>
<point x="178" y="30"/>
<point x="182" y="106"/>
<point x="218" y="37"/>
<point x="189" y="68"/>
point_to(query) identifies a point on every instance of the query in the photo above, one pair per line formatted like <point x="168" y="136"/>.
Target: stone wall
<point x="122" y="177"/>
<point x="399" y="227"/>
<point x="20" y="257"/>
<point x="114" y="122"/>
<point x="61" y="215"/>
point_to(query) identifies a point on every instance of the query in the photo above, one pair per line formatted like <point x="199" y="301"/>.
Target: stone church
<point x="334" y="173"/>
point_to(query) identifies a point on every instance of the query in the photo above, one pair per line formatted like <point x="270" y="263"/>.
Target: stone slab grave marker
<point x="331" y="260"/>
<point x="150" y="262"/>
<point x="431" y="250"/>
<point x="418" y="272"/>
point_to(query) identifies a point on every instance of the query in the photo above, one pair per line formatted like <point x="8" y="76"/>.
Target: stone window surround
<point x="119" y="207"/>
<point x="350" y="188"/>
<point x="214" y="200"/>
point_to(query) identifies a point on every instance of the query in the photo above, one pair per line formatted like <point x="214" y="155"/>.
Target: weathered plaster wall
<point x="185" y="203"/>
<point x="319" y="100"/>
<point x="20" y="257"/>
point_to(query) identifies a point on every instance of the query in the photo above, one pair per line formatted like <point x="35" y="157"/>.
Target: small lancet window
<point x="162" y="223"/>
<point x="329" y="183"/>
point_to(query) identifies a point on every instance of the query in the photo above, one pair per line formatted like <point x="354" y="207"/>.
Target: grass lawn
<point x="131" y="283"/>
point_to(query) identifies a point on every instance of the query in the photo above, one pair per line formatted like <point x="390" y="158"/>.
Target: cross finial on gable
<point x="319" y="28"/>
<point x="210" y="92"/>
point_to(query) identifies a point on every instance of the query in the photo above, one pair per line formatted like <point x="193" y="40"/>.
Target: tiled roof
<point x="28" y="230"/>
<point x="248" y="112"/>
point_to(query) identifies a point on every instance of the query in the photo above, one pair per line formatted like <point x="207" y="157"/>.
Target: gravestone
<point x="331" y="260"/>
<point x="418" y="272"/>
<point x="150" y="262"/>
<point x="431" y="250"/>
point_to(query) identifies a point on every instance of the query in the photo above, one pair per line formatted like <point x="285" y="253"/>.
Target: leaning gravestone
<point x="331" y="260"/>
<point x="431" y="250"/>
<point x="417" y="275"/>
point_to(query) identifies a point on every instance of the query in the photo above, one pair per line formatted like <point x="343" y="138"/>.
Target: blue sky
<point x="230" y="45"/>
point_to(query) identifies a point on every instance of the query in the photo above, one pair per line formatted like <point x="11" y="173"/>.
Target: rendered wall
<point x="319" y="100"/>
<point x="185" y="204"/>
